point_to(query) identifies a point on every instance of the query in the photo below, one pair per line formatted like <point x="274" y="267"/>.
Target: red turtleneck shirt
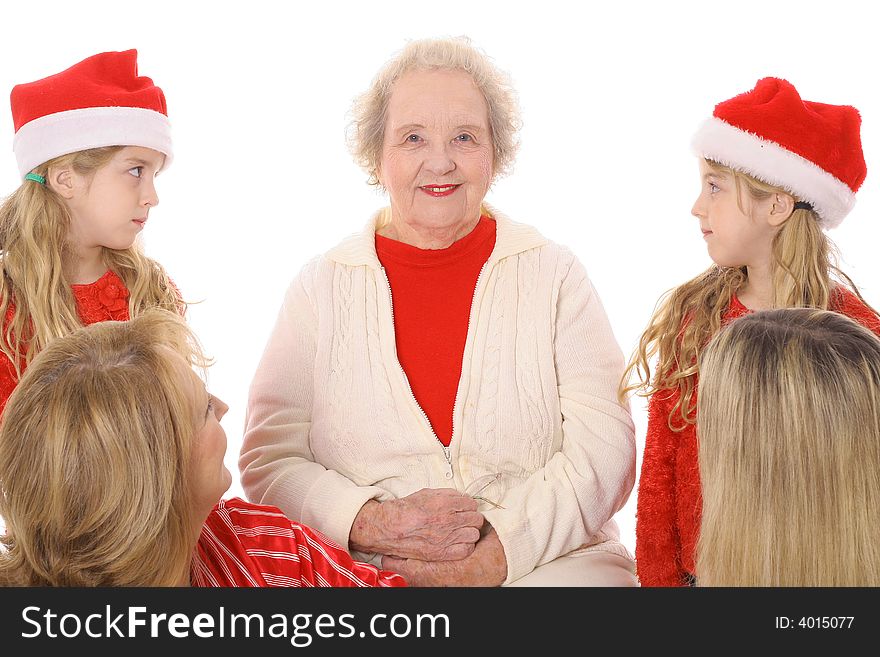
<point x="432" y="291"/>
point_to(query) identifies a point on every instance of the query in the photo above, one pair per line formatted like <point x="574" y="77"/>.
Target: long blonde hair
<point x="34" y="224"/>
<point x="788" y="425"/>
<point x="95" y="447"/>
<point x="805" y="275"/>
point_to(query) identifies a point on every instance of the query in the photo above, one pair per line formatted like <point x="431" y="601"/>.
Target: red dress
<point x="105" y="299"/>
<point x="669" y="504"/>
<point x="244" y="544"/>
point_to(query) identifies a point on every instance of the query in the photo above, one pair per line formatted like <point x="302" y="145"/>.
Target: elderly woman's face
<point x="437" y="154"/>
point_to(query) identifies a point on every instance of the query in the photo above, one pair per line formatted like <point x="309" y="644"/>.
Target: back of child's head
<point x="789" y="449"/>
<point x="769" y="141"/>
<point x="95" y="444"/>
<point x="79" y="118"/>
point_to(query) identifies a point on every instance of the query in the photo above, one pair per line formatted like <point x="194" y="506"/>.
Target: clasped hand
<point x="432" y="524"/>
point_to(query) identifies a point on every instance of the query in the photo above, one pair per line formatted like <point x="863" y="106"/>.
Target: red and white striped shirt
<point x="244" y="544"/>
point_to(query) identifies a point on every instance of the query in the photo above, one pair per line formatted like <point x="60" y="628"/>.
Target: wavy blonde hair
<point x="34" y="224"/>
<point x="805" y="275"/>
<point x="366" y="132"/>
<point x="789" y="452"/>
<point x="95" y="450"/>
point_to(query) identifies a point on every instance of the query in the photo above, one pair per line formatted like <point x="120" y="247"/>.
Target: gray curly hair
<point x="366" y="132"/>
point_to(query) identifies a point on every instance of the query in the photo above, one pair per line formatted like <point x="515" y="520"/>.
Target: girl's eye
<point x="136" y="171"/>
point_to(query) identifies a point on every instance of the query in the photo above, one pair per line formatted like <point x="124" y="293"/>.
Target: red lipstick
<point x="439" y="190"/>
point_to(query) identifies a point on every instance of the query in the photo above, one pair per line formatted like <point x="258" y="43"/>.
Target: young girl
<point x="111" y="468"/>
<point x="789" y="426"/>
<point x="775" y="171"/>
<point x="89" y="142"/>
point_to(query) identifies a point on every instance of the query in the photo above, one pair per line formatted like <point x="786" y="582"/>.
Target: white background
<point x="611" y="93"/>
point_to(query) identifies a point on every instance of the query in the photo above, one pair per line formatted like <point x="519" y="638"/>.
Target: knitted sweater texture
<point x="331" y="421"/>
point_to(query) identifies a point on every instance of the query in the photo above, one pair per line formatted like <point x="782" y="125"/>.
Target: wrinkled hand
<point x="486" y="566"/>
<point x="433" y="524"/>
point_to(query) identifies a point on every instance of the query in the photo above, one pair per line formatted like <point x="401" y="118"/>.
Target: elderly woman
<point x="438" y="393"/>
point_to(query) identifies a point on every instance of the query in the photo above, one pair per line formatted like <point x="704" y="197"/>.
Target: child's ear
<point x="62" y="181"/>
<point x="781" y="207"/>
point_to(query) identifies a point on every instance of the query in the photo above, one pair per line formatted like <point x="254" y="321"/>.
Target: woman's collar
<point x="511" y="238"/>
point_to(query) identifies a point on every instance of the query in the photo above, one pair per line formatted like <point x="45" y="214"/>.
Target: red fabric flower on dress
<point x="106" y="298"/>
<point x="112" y="294"/>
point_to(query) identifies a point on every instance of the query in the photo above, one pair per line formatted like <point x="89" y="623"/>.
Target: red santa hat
<point x="810" y="149"/>
<point x="98" y="102"/>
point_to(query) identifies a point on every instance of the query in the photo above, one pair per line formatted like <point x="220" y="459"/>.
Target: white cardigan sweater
<point x="332" y="422"/>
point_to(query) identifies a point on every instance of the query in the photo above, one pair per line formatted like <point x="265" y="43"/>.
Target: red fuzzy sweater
<point x="105" y="299"/>
<point x="669" y="504"/>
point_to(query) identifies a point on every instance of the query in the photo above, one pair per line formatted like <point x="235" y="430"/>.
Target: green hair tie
<point x="36" y="178"/>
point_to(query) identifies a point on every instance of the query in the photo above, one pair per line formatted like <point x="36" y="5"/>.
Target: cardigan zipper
<point x="447" y="452"/>
<point x="467" y="335"/>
